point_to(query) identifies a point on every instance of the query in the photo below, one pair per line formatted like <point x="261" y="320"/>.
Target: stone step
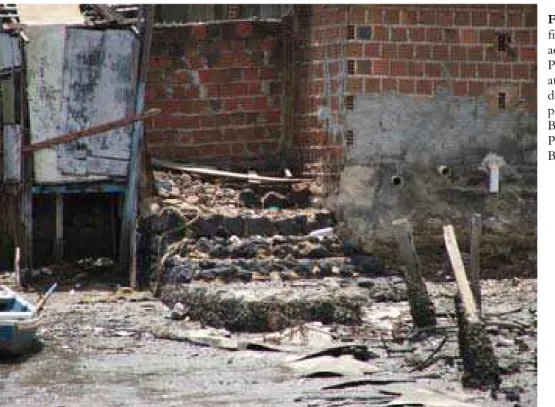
<point x="178" y="270"/>
<point x="269" y="307"/>
<point x="244" y="223"/>
<point x="262" y="247"/>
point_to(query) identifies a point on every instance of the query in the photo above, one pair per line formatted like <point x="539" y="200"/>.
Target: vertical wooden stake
<point x="16" y="263"/>
<point x="479" y="361"/>
<point x="59" y="242"/>
<point x="421" y="307"/>
<point x="474" y="274"/>
<point x="133" y="265"/>
<point x="26" y="205"/>
<point x="128" y="256"/>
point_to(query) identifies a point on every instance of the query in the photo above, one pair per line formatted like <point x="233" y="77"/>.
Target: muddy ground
<point x="102" y="350"/>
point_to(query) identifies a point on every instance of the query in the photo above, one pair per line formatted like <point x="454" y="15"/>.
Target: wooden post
<point x="421" y="308"/>
<point x="59" y="241"/>
<point x="128" y="233"/>
<point x="16" y="268"/>
<point x="26" y="212"/>
<point x="474" y="274"/>
<point x="479" y="361"/>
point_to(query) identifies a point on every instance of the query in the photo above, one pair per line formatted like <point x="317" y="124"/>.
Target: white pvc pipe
<point x="494" y="178"/>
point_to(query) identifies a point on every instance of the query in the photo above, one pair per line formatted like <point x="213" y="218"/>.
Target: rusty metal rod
<point x="91" y="131"/>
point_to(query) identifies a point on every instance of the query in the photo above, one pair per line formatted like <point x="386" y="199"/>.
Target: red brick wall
<point x="321" y="84"/>
<point x="413" y="49"/>
<point x="350" y="50"/>
<point x="220" y="89"/>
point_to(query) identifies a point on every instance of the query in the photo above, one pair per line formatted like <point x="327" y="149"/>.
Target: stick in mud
<point x="421" y="307"/>
<point x="480" y="364"/>
<point x="474" y="272"/>
<point x="17" y="275"/>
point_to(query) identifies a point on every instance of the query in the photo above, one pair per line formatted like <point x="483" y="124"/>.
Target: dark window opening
<point x="349" y="102"/>
<point x="503" y="41"/>
<point x="351" y="32"/>
<point x="351" y="66"/>
<point x="501" y="102"/>
<point x="349" y="138"/>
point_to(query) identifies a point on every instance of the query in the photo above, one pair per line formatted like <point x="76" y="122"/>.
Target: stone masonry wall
<point x="221" y="92"/>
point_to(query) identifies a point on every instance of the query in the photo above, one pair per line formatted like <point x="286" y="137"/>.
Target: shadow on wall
<point x="421" y="159"/>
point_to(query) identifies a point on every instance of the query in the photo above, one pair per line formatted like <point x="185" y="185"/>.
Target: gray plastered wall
<point x="392" y="171"/>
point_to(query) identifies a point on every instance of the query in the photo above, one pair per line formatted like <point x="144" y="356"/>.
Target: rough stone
<point x="267" y="307"/>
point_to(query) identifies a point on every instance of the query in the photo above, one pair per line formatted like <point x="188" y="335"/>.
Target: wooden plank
<point x="91" y="131"/>
<point x="460" y="274"/>
<point x="97" y="87"/>
<point x="10" y="56"/>
<point x="43" y="74"/>
<point x="107" y="166"/>
<point x="59" y="241"/>
<point x="226" y="174"/>
<point x="8" y="100"/>
<point x="12" y="153"/>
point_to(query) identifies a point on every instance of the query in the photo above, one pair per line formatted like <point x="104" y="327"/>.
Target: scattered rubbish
<point x="204" y="337"/>
<point x="428" y="398"/>
<point x="321" y="233"/>
<point x="381" y="380"/>
<point x="359" y="352"/>
<point x="329" y="366"/>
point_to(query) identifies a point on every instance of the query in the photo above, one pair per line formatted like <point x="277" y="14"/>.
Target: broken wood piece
<point x="107" y="13"/>
<point x="91" y="131"/>
<point x="474" y="273"/>
<point x="457" y="264"/>
<point x="16" y="262"/>
<point x="421" y="307"/>
<point x="430" y="359"/>
<point x="47" y="295"/>
<point x="59" y="220"/>
<point x="218" y="173"/>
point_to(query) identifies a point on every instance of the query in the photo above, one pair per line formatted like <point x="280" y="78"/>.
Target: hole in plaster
<point x="396" y="181"/>
<point x="351" y="66"/>
<point x="349" y="138"/>
<point x="444" y="170"/>
<point x="349" y="102"/>
<point x="501" y="100"/>
<point x="502" y="41"/>
<point x="351" y="32"/>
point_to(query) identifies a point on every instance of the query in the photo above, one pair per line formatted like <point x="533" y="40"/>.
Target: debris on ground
<point x="262" y="301"/>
